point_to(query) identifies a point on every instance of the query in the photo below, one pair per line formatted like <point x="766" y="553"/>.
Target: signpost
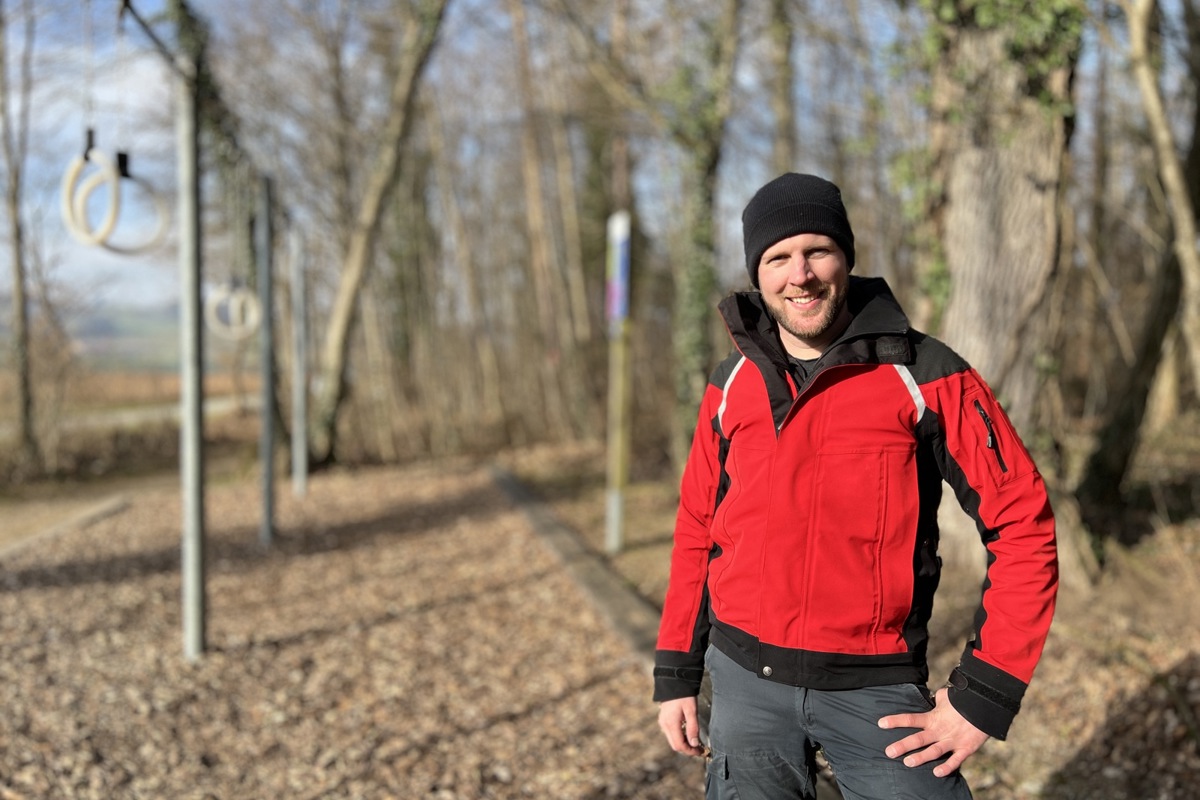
<point x="619" y="395"/>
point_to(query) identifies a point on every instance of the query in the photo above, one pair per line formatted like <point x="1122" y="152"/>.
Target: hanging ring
<point x="74" y="213"/>
<point x="242" y="310"/>
<point x="161" y="212"/>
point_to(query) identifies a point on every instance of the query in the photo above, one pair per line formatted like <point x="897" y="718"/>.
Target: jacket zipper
<point x="992" y="443"/>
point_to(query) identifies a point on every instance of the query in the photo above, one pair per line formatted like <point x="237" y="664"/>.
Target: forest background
<point x="1025" y="175"/>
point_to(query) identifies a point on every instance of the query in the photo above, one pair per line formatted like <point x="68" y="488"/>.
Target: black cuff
<point x="676" y="675"/>
<point x="987" y="697"/>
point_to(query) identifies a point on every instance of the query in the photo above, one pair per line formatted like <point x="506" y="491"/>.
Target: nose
<point x="800" y="271"/>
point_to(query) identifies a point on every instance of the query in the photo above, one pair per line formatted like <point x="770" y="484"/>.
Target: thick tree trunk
<point x="1000" y="157"/>
<point x="1000" y="230"/>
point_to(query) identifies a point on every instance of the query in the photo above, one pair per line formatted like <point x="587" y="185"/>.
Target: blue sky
<point x="114" y="84"/>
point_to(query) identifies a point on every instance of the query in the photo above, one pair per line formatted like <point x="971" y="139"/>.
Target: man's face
<point x="804" y="281"/>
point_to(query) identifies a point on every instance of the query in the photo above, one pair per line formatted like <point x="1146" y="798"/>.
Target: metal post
<point x="191" y="363"/>
<point x="263" y="237"/>
<point x="618" y="380"/>
<point x="299" y="371"/>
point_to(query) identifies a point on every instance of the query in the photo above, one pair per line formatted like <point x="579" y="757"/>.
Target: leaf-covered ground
<point x="408" y="635"/>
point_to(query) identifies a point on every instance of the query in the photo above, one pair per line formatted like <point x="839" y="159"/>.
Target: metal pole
<point x="299" y="371"/>
<point x="618" y="380"/>
<point x="191" y="363"/>
<point x="263" y="235"/>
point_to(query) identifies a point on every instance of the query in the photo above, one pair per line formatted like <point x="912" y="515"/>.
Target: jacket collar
<point x="877" y="333"/>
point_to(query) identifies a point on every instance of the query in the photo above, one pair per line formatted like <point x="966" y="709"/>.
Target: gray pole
<point x="262" y="230"/>
<point x="191" y="362"/>
<point x="299" y="370"/>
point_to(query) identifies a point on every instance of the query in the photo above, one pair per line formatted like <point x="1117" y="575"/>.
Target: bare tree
<point x="14" y="130"/>
<point x="691" y="108"/>
<point x="420" y="34"/>
<point x="1118" y="437"/>
<point x="1171" y="172"/>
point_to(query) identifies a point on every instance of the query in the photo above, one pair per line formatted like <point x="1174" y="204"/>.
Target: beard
<point x="807" y="327"/>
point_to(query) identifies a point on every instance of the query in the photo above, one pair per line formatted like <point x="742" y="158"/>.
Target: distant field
<point x="92" y="390"/>
<point x="127" y="357"/>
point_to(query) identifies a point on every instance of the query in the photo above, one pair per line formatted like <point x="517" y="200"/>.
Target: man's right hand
<point x="681" y="725"/>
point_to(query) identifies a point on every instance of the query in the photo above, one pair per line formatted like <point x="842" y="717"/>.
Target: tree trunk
<point x="1181" y="201"/>
<point x="695" y="289"/>
<point x="1100" y="484"/>
<point x="999" y="150"/>
<point x="568" y="203"/>
<point x="381" y="395"/>
<point x="1004" y="175"/>
<point x="475" y="310"/>
<point x="782" y="87"/>
<point x="554" y="312"/>
<point x="420" y="36"/>
<point x="15" y="138"/>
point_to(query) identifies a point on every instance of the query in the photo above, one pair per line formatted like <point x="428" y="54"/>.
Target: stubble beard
<point x="814" y="328"/>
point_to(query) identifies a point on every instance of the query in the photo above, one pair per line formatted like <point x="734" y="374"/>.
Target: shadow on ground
<point x="1161" y="717"/>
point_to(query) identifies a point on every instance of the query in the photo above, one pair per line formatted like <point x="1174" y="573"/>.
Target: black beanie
<point x="793" y="204"/>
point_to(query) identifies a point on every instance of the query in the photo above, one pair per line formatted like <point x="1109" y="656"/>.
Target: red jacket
<point x="806" y="538"/>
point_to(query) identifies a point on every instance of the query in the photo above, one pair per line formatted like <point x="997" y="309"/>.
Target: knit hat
<point x="793" y="204"/>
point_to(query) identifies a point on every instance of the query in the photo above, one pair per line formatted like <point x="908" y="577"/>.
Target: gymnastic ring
<point x="244" y="302"/>
<point x="160" y="207"/>
<point x="78" y="227"/>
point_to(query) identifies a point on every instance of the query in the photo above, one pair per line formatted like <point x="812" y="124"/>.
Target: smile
<point x="805" y="301"/>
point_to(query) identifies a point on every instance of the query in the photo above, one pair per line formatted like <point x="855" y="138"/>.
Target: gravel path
<point x="409" y="636"/>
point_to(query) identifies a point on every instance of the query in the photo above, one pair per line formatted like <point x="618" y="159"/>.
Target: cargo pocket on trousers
<point x="755" y="776"/>
<point x="716" y="779"/>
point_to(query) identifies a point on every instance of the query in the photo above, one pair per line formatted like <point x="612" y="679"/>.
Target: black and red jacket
<point x="806" y="538"/>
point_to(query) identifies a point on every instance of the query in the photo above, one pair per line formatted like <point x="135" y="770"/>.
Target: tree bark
<point x="1000" y="229"/>
<point x="1000" y="155"/>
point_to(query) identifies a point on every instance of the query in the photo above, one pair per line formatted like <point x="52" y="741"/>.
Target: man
<point x="805" y="558"/>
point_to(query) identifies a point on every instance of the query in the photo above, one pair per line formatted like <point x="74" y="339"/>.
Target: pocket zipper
<point x="992" y="443"/>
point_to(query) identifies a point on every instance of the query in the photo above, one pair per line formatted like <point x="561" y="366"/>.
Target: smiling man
<point x="805" y="559"/>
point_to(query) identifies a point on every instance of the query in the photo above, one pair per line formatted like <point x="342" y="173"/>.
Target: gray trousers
<point x="765" y="738"/>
